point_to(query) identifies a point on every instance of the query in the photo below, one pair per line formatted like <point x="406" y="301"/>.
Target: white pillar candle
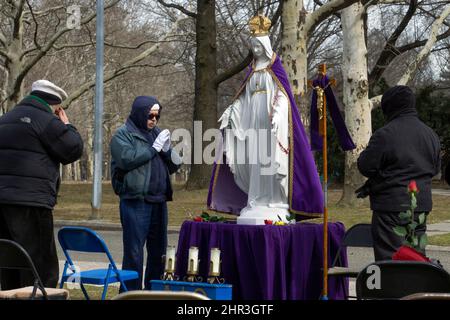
<point x="193" y="259"/>
<point x="215" y="260"/>
<point x="170" y="258"/>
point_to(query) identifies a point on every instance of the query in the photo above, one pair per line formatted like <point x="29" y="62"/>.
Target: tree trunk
<point x="89" y="154"/>
<point x="14" y="86"/>
<point x="295" y="54"/>
<point x="67" y="173"/>
<point x="76" y="171"/>
<point x="356" y="99"/>
<point x="205" y="109"/>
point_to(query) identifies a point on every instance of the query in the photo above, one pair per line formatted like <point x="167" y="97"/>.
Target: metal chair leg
<point x="84" y="291"/>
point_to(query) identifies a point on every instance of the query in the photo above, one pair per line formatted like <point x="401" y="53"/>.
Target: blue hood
<point x="140" y="109"/>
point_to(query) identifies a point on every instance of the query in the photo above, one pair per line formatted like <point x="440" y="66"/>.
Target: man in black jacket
<point x="405" y="149"/>
<point x="35" y="138"/>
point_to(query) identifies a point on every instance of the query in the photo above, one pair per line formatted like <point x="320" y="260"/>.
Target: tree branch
<point x="375" y="102"/>
<point x="328" y="9"/>
<point x="412" y="68"/>
<point x="47" y="11"/>
<point x="178" y="7"/>
<point x="277" y="14"/>
<point x="36" y="26"/>
<point x="234" y="70"/>
<point x="421" y="43"/>
<point x="132" y="63"/>
<point x="53" y="40"/>
<point x="19" y="10"/>
<point x="320" y="3"/>
<point x="390" y="51"/>
<point x="2" y="39"/>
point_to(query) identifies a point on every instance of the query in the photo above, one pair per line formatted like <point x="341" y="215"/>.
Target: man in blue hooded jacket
<point x="142" y="162"/>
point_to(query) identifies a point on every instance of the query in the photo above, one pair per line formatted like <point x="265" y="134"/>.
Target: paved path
<point x="441" y="192"/>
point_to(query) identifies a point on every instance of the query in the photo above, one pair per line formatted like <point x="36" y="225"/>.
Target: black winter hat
<point x="398" y="100"/>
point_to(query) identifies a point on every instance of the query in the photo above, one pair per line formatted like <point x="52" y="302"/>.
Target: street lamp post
<point x="98" y="128"/>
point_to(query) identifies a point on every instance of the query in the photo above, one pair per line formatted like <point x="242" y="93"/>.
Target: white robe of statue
<point x="256" y="141"/>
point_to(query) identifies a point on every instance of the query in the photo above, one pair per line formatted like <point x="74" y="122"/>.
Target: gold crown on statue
<point x="259" y="25"/>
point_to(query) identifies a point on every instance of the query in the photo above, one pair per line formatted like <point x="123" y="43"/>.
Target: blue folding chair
<point x="86" y="240"/>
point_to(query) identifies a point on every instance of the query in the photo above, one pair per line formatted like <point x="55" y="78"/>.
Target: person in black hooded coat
<point x="405" y="149"/>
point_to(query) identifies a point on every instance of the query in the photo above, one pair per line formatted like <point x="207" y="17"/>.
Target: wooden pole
<point x="322" y="71"/>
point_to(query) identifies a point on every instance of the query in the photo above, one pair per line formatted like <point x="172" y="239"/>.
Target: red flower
<point x="406" y="253"/>
<point x="198" y="219"/>
<point x="270" y="222"/>
<point x="412" y="187"/>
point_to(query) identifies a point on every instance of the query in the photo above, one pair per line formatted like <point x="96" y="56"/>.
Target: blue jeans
<point x="143" y="223"/>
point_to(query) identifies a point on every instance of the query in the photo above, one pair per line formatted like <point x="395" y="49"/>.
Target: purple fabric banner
<point x="266" y="262"/>
<point x="345" y="139"/>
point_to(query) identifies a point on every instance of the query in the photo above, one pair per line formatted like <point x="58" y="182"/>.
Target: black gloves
<point x="363" y="191"/>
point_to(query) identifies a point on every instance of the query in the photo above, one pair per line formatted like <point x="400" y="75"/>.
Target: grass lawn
<point x="94" y="292"/>
<point x="441" y="240"/>
<point x="74" y="203"/>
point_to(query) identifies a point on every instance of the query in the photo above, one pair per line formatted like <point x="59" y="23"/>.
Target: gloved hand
<point x="363" y="191"/>
<point x="166" y="145"/>
<point x="161" y="139"/>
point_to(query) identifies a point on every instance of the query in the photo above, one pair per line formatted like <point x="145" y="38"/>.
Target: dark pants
<point x="385" y="241"/>
<point x="143" y="223"/>
<point x="32" y="228"/>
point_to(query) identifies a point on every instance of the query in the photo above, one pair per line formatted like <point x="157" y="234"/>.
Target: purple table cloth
<point x="266" y="262"/>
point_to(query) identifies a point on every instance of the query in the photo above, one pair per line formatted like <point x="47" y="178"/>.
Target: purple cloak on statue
<point x="305" y="191"/>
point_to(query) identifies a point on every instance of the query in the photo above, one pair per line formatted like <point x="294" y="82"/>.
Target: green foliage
<point x="209" y="218"/>
<point x="423" y="242"/>
<point x="405" y="215"/>
<point x="413" y="202"/>
<point x="422" y="218"/>
<point x="400" y="231"/>
<point x="408" y="231"/>
<point x="433" y="109"/>
<point x="291" y="218"/>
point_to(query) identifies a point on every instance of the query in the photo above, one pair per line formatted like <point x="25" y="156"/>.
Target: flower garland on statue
<point x="275" y="101"/>
<point x="206" y="217"/>
<point x="280" y="222"/>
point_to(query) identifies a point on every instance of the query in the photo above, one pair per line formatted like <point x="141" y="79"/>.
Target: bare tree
<point x="357" y="81"/>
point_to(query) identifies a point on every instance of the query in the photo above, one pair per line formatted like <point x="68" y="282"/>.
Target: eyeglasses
<point x="152" y="116"/>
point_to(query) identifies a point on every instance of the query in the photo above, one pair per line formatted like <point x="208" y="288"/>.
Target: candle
<point x="215" y="261"/>
<point x="193" y="260"/>
<point x="170" y="258"/>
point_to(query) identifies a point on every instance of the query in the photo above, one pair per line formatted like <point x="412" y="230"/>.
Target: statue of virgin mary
<point x="268" y="171"/>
